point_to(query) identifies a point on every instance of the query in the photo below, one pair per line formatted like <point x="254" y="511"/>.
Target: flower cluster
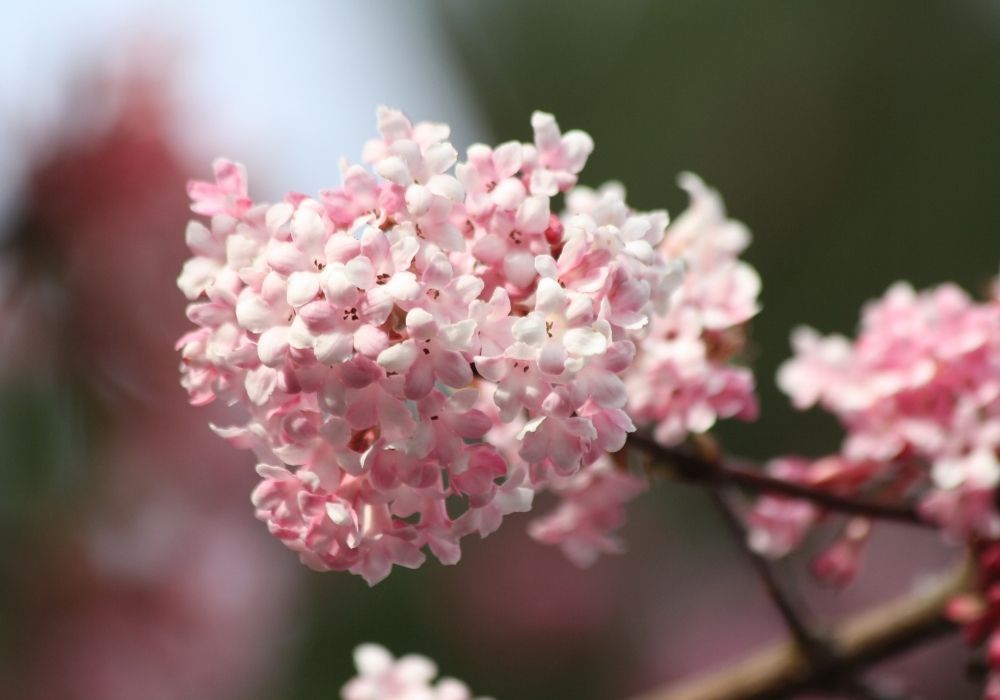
<point x="422" y="348"/>
<point x="381" y="677"/>
<point x="684" y="379"/>
<point x="778" y="524"/>
<point x="591" y="505"/>
<point x="918" y="393"/>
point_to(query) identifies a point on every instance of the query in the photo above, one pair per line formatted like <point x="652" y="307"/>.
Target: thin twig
<point x="694" y="468"/>
<point x="814" y="647"/>
<point x="861" y="642"/>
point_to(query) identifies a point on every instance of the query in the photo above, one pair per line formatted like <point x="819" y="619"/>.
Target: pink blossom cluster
<point x="778" y="524"/>
<point x="382" y="677"/>
<point x="591" y="505"/>
<point x="918" y="393"/>
<point x="422" y="348"/>
<point x="685" y="378"/>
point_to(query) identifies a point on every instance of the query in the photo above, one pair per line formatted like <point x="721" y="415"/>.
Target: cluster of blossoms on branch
<point x="422" y="349"/>
<point x="686" y="373"/>
<point x="382" y="677"/>
<point x="918" y="395"/>
<point x="685" y="378"/>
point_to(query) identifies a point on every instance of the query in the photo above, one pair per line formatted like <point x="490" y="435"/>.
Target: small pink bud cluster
<point x="382" y="677"/>
<point x="779" y="524"/>
<point x="365" y="331"/>
<point x="979" y="611"/>
<point x="918" y="393"/>
<point x="684" y="379"/>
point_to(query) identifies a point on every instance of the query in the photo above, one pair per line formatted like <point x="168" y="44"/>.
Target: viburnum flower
<point x="685" y="378"/>
<point x="592" y="504"/>
<point x="918" y="393"/>
<point x="779" y="524"/>
<point x="427" y="333"/>
<point x="382" y="677"/>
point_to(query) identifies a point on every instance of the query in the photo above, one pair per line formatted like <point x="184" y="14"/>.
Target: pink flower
<point x="592" y="504"/>
<point x="557" y="441"/>
<point x="838" y="564"/>
<point x="779" y="524"/>
<point x="411" y="677"/>
<point x="922" y="364"/>
<point x="561" y="331"/>
<point x="919" y="398"/>
<point x="431" y="354"/>
<point x="360" y="332"/>
<point x="556" y="158"/>
<point x="918" y="388"/>
<point x="685" y="378"/>
<point x="227" y="195"/>
<point x="964" y="502"/>
<point x="490" y="180"/>
<point x="818" y="368"/>
<point x="418" y="158"/>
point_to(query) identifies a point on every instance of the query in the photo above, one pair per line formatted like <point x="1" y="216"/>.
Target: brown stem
<point x="695" y="468"/>
<point x="862" y="641"/>
<point x="811" y="644"/>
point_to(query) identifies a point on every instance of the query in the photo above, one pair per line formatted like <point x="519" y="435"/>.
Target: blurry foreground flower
<point x="381" y="677"/>
<point x="172" y="603"/>
<point x="130" y="576"/>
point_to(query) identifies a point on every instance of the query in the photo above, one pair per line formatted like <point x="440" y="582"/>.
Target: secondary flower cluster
<point x="918" y="393"/>
<point x="381" y="677"/>
<point x="591" y="505"/>
<point x="422" y="348"/>
<point x="684" y="379"/>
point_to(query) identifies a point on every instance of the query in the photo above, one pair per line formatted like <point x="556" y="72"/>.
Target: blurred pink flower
<point x="381" y="677"/>
<point x="592" y="504"/>
<point x="152" y="587"/>
<point x="919" y="393"/>
<point x="173" y="602"/>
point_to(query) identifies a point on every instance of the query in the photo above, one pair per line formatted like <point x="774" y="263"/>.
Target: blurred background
<point x="858" y="141"/>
